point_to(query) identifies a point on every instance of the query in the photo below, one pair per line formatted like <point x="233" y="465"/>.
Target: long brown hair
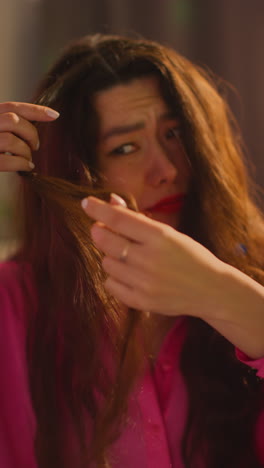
<point x="76" y="318"/>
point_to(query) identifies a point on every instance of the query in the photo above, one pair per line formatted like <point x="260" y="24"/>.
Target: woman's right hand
<point x="18" y="135"/>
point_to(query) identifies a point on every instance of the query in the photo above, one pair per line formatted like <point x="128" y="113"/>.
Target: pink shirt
<point x="157" y="407"/>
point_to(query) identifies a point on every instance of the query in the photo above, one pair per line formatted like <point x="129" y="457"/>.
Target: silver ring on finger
<point x="123" y="255"/>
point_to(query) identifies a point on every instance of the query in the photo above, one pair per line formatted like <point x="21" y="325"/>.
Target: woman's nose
<point x="160" y="169"/>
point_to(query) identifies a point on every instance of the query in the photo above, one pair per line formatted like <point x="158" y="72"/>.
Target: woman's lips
<point x="171" y="204"/>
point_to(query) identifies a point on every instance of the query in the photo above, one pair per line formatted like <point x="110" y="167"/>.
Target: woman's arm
<point x="167" y="272"/>
<point x="239" y="314"/>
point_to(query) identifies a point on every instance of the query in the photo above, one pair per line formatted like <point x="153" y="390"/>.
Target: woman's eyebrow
<point x="169" y="116"/>
<point x="123" y="129"/>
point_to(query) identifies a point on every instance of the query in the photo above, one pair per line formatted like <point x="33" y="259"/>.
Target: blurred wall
<point x="230" y="38"/>
<point x="225" y="35"/>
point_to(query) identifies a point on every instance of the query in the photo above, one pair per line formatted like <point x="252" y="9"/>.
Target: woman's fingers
<point x="127" y="274"/>
<point x="12" y="124"/>
<point x="10" y="163"/>
<point x="126" y="294"/>
<point x="116" y="246"/>
<point x="18" y="135"/>
<point x="15" y="118"/>
<point x="132" y="225"/>
<point x="117" y="200"/>
<point x="12" y="145"/>
<point x="31" y="112"/>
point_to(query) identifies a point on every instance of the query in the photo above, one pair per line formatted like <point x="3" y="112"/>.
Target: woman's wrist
<point x="239" y="311"/>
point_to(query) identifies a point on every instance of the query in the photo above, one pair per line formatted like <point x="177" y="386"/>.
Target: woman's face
<point x="140" y="150"/>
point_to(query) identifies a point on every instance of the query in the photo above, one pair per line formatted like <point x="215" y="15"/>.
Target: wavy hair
<point x="77" y="320"/>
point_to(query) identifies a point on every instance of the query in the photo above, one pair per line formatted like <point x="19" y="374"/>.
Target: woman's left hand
<point x="151" y="266"/>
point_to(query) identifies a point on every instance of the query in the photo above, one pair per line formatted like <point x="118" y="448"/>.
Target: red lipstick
<point x="171" y="204"/>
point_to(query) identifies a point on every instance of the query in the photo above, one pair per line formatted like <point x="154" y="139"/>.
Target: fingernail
<point x="118" y="200"/>
<point x="31" y="165"/>
<point x="37" y="146"/>
<point x="52" y="113"/>
<point x="84" y="203"/>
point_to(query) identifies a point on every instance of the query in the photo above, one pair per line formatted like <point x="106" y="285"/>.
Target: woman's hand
<point x="151" y="266"/>
<point x="154" y="268"/>
<point x="18" y="136"/>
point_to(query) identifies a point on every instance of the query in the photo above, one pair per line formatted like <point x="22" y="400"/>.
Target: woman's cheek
<point x="127" y="175"/>
<point x="116" y="180"/>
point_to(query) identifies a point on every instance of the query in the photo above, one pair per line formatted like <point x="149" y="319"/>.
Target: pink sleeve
<point x="17" y="421"/>
<point x="257" y="364"/>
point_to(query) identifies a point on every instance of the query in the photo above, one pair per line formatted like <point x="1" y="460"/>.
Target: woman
<point x="137" y="341"/>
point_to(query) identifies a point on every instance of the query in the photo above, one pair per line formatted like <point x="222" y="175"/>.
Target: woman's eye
<point x="173" y="132"/>
<point x="124" y="149"/>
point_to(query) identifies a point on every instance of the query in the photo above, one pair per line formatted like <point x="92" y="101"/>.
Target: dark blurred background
<point x="226" y="36"/>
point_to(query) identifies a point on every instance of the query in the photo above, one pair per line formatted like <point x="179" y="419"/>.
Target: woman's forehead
<point x="132" y="100"/>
